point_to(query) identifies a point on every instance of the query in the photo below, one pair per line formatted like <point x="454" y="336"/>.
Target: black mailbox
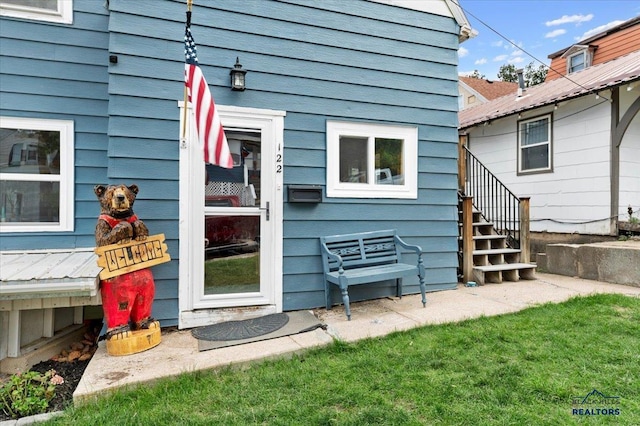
<point x="304" y="193"/>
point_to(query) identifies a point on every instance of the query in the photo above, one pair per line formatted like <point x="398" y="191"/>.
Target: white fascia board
<point x="44" y="289"/>
<point x="448" y="8"/>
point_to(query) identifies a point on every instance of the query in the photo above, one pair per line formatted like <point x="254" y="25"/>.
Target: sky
<point x="532" y="29"/>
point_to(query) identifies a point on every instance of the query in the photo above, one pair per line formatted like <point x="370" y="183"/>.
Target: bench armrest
<point x="418" y="251"/>
<point x="415" y="248"/>
<point x="332" y="256"/>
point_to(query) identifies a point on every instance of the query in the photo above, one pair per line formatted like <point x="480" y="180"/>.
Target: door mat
<point x="272" y="326"/>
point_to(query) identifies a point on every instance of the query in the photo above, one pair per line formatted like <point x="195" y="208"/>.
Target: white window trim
<point x="338" y="189"/>
<point x="64" y="14"/>
<point x="66" y="176"/>
<point x="586" y="51"/>
<point x="584" y="65"/>
<point x="548" y="142"/>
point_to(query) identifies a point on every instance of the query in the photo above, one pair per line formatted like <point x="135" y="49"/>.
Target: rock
<point x="77" y="346"/>
<point x="73" y="355"/>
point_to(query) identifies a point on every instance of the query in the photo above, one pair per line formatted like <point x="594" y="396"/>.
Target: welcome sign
<point x="120" y="259"/>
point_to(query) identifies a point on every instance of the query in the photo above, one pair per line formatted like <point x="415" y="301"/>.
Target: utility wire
<point x="554" y="121"/>
<point x="518" y="47"/>
<point x="577" y="222"/>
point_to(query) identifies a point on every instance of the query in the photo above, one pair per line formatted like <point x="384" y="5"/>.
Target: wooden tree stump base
<point x="137" y="341"/>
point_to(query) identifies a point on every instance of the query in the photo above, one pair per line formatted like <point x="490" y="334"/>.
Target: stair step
<point x="490" y="237"/>
<point x="496" y="251"/>
<point x="478" y="224"/>
<point x="505" y="267"/>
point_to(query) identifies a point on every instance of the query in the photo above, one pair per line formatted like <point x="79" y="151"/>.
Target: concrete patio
<point x="178" y="352"/>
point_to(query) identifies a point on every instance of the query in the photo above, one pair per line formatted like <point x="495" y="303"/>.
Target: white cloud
<point x="517" y="52"/>
<point x="599" y="29"/>
<point x="555" y="33"/>
<point x="516" y="60"/>
<point x="570" y="19"/>
<point x="462" y="52"/>
<point x="480" y="61"/>
<point x="497" y="43"/>
<point x="500" y="58"/>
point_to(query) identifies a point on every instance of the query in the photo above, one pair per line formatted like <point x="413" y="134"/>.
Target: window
<point x="36" y="175"/>
<point x="579" y="57"/>
<point x="40" y="10"/>
<point x="534" y="144"/>
<point x="577" y="62"/>
<point x="371" y="160"/>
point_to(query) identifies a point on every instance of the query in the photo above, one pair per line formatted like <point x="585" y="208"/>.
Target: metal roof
<point x="621" y="70"/>
<point x="48" y="273"/>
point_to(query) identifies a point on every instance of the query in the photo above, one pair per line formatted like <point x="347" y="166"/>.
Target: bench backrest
<point x="362" y="249"/>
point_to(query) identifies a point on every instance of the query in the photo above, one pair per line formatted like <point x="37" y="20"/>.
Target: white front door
<point x="231" y="221"/>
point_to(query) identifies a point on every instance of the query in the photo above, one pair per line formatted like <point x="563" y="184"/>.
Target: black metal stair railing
<point x="491" y="197"/>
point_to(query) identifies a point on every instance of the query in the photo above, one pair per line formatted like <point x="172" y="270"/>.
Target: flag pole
<point x="186" y="97"/>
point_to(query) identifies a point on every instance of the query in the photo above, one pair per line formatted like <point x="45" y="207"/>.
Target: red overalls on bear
<point x="128" y="296"/>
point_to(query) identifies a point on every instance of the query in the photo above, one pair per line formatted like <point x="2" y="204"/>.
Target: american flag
<point x="210" y="132"/>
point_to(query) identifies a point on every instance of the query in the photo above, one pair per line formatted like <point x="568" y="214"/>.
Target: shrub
<point x="29" y="393"/>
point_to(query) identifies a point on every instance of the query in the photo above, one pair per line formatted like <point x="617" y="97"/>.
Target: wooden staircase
<point x="493" y="260"/>
<point x="493" y="225"/>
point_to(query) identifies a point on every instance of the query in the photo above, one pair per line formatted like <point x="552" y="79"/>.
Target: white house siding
<point x="574" y="197"/>
<point x="629" y="161"/>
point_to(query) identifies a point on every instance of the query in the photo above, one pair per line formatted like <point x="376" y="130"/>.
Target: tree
<point x="476" y="74"/>
<point x="508" y="73"/>
<point x="531" y="75"/>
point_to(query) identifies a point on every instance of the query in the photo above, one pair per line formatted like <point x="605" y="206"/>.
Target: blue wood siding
<point x="317" y="60"/>
<point x="59" y="71"/>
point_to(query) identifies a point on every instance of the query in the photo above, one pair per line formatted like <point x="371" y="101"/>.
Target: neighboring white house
<point x="476" y="91"/>
<point x="571" y="144"/>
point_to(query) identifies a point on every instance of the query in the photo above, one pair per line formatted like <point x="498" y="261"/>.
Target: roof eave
<point x="629" y="23"/>
<point x="466" y="32"/>
<point x="548" y="102"/>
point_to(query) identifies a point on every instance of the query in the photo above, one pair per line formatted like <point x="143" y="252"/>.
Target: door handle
<point x="266" y="209"/>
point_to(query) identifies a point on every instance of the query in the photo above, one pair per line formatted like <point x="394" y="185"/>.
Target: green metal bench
<point x="367" y="257"/>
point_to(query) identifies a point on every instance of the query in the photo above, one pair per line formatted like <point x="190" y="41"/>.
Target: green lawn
<point x="232" y="274"/>
<point x="517" y="369"/>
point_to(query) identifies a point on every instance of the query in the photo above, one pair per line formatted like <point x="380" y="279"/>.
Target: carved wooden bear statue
<point x="126" y="299"/>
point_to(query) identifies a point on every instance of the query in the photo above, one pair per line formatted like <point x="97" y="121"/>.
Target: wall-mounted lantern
<point x="237" y="76"/>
